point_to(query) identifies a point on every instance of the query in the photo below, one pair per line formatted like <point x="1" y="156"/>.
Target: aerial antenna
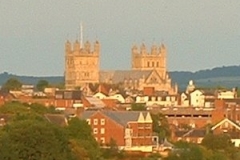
<point x="81" y="35"/>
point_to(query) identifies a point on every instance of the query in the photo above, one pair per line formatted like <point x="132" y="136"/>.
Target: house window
<point x="102" y="121"/>
<point x="95" y="121"/>
<point x="102" y="130"/>
<point x="102" y="140"/>
<point x="89" y="121"/>
<point x="95" y="131"/>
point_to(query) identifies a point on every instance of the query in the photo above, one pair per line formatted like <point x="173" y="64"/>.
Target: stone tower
<point x="153" y="60"/>
<point x="81" y="64"/>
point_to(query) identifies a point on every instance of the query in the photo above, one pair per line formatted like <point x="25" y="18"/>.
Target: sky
<point x="198" y="34"/>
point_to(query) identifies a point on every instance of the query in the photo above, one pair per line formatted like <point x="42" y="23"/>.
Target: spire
<point x="148" y="118"/>
<point x="143" y="49"/>
<point x="141" y="118"/>
<point x="81" y="35"/>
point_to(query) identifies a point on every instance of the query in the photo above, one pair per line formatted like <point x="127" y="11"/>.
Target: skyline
<point x="33" y="34"/>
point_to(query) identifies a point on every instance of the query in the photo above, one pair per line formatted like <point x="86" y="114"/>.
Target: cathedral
<point x="148" y="68"/>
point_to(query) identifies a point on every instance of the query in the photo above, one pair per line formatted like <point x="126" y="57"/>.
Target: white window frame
<point x="95" y="130"/>
<point x="95" y="121"/>
<point x="102" y="121"/>
<point x="88" y="121"/>
<point x="102" y="140"/>
<point x="102" y="131"/>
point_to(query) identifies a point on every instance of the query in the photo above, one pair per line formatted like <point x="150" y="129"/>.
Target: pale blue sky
<point x="199" y="34"/>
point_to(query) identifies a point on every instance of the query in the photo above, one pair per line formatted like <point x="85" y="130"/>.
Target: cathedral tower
<point x="81" y="64"/>
<point x="153" y="60"/>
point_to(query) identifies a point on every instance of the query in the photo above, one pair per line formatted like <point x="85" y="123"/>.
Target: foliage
<point x="12" y="84"/>
<point x="112" y="150"/>
<point x="217" y="142"/>
<point x="186" y="151"/>
<point x="138" y="107"/>
<point x="20" y="108"/>
<point x="189" y="151"/>
<point x="80" y="133"/>
<point x="32" y="139"/>
<point x="160" y="125"/>
<point x="42" y="84"/>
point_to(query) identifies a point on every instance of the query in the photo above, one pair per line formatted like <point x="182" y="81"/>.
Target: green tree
<point x="160" y="125"/>
<point x="186" y="151"/>
<point x="217" y="142"/>
<point x="81" y="133"/>
<point x="42" y="84"/>
<point x="19" y="108"/>
<point x="32" y="139"/>
<point x="12" y="84"/>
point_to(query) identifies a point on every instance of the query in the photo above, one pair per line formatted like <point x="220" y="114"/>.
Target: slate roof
<point x="191" y="133"/>
<point x="95" y="102"/>
<point x="121" y="117"/>
<point x="195" y="133"/>
<point x="120" y="75"/>
<point x="58" y="119"/>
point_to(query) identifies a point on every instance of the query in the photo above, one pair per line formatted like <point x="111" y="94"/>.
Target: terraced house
<point x="132" y="131"/>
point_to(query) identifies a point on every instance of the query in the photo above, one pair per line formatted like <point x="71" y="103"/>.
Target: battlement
<point x="155" y="50"/>
<point x="78" y="48"/>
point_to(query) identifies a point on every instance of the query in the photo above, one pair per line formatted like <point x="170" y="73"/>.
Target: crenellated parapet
<point x="154" y="50"/>
<point x="86" y="48"/>
<point x="153" y="58"/>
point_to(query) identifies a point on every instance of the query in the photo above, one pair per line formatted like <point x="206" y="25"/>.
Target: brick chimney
<point x="219" y="111"/>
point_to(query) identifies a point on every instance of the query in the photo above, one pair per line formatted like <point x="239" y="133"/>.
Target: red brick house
<point x="193" y="135"/>
<point x="132" y="131"/>
<point x="229" y="127"/>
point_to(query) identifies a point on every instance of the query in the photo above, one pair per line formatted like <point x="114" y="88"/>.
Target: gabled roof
<point x="195" y="133"/>
<point x="58" y="119"/>
<point x="148" y="118"/>
<point x="191" y="133"/>
<point x="141" y="118"/>
<point x="95" y="102"/>
<point x="120" y="117"/>
<point x="228" y="121"/>
<point x="154" y="74"/>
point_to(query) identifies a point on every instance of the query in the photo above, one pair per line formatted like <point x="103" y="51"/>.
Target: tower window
<point x="157" y="64"/>
<point x="152" y="64"/>
<point x="148" y="64"/>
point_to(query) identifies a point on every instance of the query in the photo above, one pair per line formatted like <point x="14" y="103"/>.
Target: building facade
<point x="149" y="69"/>
<point x="132" y="131"/>
<point x="81" y="64"/>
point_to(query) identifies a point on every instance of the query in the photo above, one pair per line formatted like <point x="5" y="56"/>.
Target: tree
<point x="186" y="151"/>
<point x="80" y="132"/>
<point x="160" y="125"/>
<point x="32" y="139"/>
<point x="12" y="84"/>
<point x="217" y="142"/>
<point x="19" y="108"/>
<point x="42" y="84"/>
